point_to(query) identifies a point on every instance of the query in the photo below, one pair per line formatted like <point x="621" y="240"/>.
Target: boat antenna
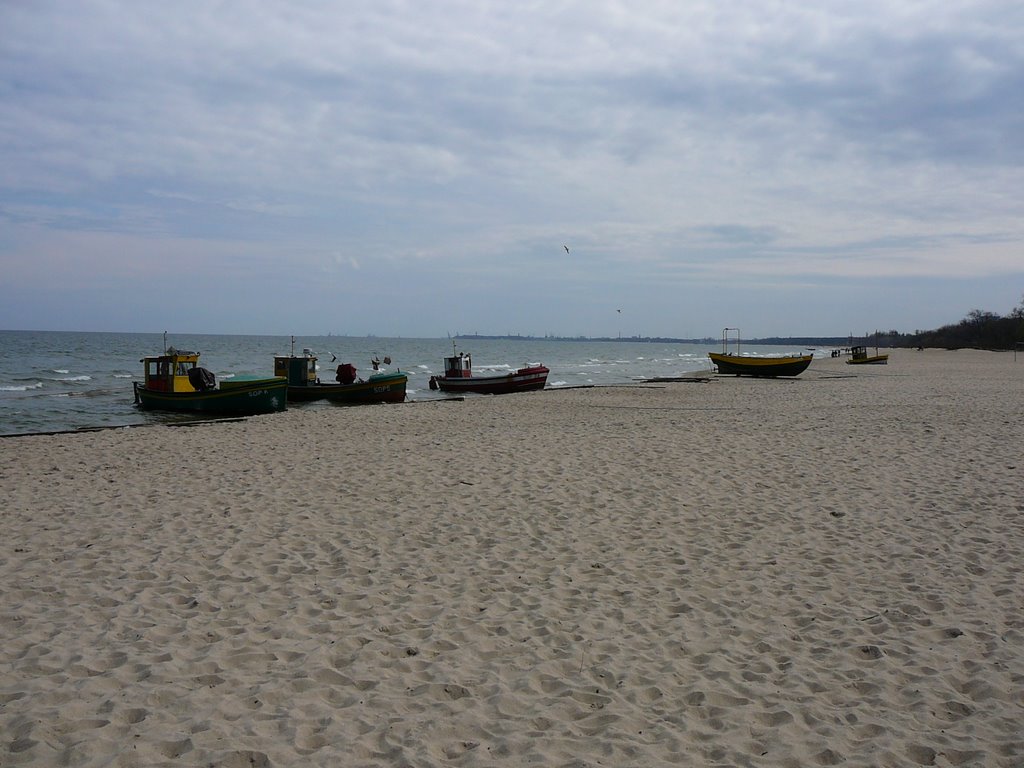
<point x="293" y="346"/>
<point x="165" y="341"/>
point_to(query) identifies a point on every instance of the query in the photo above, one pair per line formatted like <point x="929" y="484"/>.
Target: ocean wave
<point x="85" y="393"/>
<point x="21" y="387"/>
<point x="97" y="392"/>
<point x="74" y="378"/>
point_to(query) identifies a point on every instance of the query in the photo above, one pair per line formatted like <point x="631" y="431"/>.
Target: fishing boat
<point x="174" y="381"/>
<point x="458" y="377"/>
<point x="860" y="356"/>
<point x="761" y="366"/>
<point x="744" y="365"/>
<point x="347" y="389"/>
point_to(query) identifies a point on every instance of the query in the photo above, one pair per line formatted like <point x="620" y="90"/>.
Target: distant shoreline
<point x="819" y="341"/>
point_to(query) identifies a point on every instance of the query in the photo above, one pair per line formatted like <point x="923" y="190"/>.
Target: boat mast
<point x="725" y="340"/>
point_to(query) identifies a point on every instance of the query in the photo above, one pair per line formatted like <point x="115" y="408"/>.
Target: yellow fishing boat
<point x="745" y="365"/>
<point x="860" y="356"/>
<point x="174" y="381"/>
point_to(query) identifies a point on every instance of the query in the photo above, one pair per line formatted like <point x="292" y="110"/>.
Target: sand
<point x="818" y="571"/>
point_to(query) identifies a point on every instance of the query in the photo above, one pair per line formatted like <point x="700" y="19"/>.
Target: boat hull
<point x="523" y="380"/>
<point x="379" y="388"/>
<point x="242" y="399"/>
<point x="760" y="366"/>
<point x="872" y="360"/>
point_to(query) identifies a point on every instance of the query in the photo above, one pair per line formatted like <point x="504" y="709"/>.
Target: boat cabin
<point x="859" y="353"/>
<point x="299" y="370"/>
<point x="459" y="366"/>
<point x="171" y="372"/>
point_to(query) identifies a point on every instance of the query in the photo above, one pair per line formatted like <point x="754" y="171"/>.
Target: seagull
<point x="619" y="311"/>
<point x="566" y="248"/>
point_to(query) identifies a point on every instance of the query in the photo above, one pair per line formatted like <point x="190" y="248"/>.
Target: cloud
<point x="670" y="143"/>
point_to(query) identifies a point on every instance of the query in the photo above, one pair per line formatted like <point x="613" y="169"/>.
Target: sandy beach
<point x="827" y="570"/>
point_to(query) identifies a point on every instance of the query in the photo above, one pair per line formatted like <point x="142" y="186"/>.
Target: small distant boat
<point x="742" y="365"/>
<point x="860" y="356"/>
<point x="458" y="377"/>
<point x="174" y="381"/>
<point x="304" y="385"/>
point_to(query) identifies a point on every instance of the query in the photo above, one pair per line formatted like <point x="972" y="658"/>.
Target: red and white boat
<point x="458" y="377"/>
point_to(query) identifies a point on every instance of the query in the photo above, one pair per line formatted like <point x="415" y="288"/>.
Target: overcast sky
<point x="418" y="168"/>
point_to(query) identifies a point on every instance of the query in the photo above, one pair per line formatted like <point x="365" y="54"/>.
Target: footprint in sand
<point x="246" y="759"/>
<point x="775" y="719"/>
<point x="440" y="691"/>
<point x="921" y="755"/>
<point x="953" y="710"/>
<point x="869" y="652"/>
<point x="133" y="716"/>
<point x="966" y="757"/>
<point x="828" y="757"/>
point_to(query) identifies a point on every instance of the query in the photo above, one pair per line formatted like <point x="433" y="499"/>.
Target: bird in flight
<point x="566" y="248"/>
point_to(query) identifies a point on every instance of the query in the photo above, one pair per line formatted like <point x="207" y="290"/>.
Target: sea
<point x="57" y="381"/>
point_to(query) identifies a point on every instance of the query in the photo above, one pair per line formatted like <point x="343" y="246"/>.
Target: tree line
<point x="979" y="330"/>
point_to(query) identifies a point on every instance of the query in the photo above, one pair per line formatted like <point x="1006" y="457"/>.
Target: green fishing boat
<point x="174" y="381"/>
<point x="347" y="389"/>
